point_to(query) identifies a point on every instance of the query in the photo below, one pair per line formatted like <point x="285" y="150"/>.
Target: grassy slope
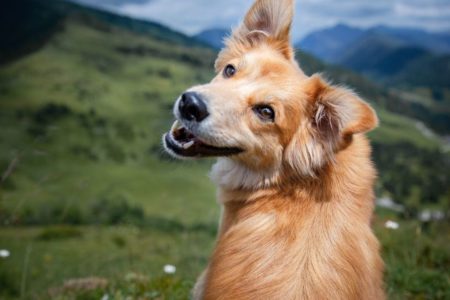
<point x="107" y="144"/>
<point x="127" y="92"/>
<point x="119" y="102"/>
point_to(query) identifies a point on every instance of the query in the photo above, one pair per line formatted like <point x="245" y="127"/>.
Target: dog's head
<point x="261" y="111"/>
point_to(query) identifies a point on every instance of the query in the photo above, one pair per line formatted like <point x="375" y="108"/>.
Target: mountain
<point x="408" y="61"/>
<point x="213" y="37"/>
<point x="435" y="42"/>
<point x="90" y="105"/>
<point x="379" y="55"/>
<point x="333" y="44"/>
<point x="329" y="44"/>
<point x="40" y="19"/>
<point x="429" y="70"/>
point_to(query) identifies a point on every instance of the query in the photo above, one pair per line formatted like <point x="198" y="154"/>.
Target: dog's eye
<point x="229" y="71"/>
<point x="265" y="112"/>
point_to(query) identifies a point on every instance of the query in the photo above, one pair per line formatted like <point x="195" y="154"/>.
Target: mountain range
<point x="395" y="56"/>
<point x="402" y="57"/>
<point x="336" y="44"/>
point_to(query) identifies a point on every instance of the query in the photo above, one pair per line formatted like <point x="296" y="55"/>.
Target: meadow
<point x="92" y="208"/>
<point x="130" y="259"/>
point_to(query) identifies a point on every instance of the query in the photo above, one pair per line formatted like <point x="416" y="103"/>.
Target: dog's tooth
<point x="188" y="145"/>
<point x="175" y="126"/>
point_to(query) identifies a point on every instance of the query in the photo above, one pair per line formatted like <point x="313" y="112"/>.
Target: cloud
<point x="191" y="16"/>
<point x="421" y="12"/>
<point x="109" y="3"/>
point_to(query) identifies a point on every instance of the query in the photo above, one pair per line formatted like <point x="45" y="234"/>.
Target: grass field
<point x="87" y="192"/>
<point x="131" y="259"/>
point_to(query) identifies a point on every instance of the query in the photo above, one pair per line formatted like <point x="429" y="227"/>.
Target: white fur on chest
<point x="230" y="175"/>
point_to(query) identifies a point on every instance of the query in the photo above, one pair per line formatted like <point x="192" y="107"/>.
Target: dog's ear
<point x="336" y="114"/>
<point x="268" y="20"/>
<point x="339" y="113"/>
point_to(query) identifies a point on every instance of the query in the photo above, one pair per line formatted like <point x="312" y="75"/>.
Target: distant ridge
<point x="385" y="54"/>
<point x="213" y="37"/>
<point x="332" y="44"/>
<point x="39" y="19"/>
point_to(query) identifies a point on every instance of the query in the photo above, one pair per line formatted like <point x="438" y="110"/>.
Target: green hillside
<point x="82" y="112"/>
<point x="81" y="122"/>
<point x="406" y="68"/>
<point x="429" y="71"/>
<point x="408" y="61"/>
<point x="40" y="19"/>
<point x="93" y="104"/>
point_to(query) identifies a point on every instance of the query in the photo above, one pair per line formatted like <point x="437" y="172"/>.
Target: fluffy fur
<point x="297" y="203"/>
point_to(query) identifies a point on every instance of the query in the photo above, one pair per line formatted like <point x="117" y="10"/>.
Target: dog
<point x="293" y="170"/>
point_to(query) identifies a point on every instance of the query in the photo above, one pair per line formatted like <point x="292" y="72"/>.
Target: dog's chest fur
<point x="298" y="242"/>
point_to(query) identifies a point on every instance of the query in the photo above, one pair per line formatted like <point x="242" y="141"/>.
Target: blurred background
<point x="92" y="208"/>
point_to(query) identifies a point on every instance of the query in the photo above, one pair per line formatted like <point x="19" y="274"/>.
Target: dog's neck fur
<point x="304" y="223"/>
<point x="230" y="175"/>
<point x="234" y="178"/>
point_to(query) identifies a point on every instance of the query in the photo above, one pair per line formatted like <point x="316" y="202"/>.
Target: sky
<point x="193" y="16"/>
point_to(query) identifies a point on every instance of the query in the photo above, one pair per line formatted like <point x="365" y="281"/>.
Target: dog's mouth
<point x="184" y="143"/>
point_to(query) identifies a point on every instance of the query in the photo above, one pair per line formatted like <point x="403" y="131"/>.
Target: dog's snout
<point x="192" y="107"/>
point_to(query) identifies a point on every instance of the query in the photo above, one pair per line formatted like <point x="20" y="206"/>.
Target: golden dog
<point x="294" y="171"/>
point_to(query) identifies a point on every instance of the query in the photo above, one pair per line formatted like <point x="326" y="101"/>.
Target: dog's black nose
<point x="192" y="107"/>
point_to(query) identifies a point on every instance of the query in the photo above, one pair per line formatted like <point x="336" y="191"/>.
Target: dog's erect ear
<point x="273" y="17"/>
<point x="268" y="19"/>
<point x="336" y="114"/>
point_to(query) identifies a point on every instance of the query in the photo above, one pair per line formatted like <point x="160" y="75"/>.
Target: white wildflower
<point x="105" y="297"/>
<point x="392" y="225"/>
<point x="169" y="269"/>
<point x="4" y="253"/>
